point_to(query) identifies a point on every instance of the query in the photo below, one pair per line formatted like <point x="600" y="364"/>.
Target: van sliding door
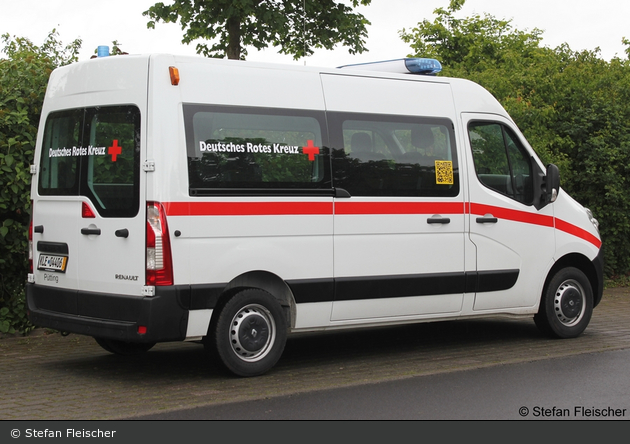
<point x="399" y="227"/>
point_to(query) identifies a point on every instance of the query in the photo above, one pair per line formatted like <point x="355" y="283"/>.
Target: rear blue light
<point x="103" y="51"/>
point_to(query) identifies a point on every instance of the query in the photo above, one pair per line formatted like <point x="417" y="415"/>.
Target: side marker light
<point x="174" y="73"/>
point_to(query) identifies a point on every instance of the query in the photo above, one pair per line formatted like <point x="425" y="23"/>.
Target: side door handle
<point x="487" y="220"/>
<point x="438" y="220"/>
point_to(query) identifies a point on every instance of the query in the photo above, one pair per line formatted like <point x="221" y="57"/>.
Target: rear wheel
<point x="124" y="348"/>
<point x="250" y="333"/>
<point x="566" y="306"/>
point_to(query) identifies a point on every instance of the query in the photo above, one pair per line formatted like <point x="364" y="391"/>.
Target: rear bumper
<point x="110" y="316"/>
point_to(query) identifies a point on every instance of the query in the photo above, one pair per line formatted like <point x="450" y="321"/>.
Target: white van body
<point x="235" y="203"/>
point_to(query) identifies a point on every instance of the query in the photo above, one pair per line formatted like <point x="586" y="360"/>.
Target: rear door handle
<point x="88" y="231"/>
<point x="122" y="233"/>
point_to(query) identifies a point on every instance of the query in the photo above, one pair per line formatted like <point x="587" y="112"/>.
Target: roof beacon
<point x="402" y="66"/>
<point x="103" y="51"/>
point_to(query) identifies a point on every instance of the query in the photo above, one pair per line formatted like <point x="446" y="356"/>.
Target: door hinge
<point x="148" y="290"/>
<point x="148" y="166"/>
<point x="33" y="169"/>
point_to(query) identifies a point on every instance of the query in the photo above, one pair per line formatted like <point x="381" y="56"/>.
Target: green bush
<point x="23" y="78"/>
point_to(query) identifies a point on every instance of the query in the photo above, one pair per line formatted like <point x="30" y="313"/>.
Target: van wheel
<point x="566" y="305"/>
<point x="124" y="348"/>
<point x="250" y="333"/>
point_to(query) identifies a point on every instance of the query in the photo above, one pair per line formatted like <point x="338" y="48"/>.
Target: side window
<point x="376" y="155"/>
<point x="501" y="161"/>
<point x="248" y="149"/>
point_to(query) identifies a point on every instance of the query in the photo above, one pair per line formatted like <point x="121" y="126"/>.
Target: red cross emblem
<point x="311" y="150"/>
<point x="114" y="150"/>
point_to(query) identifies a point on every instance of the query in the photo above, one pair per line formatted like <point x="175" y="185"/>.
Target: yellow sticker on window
<point x="444" y="172"/>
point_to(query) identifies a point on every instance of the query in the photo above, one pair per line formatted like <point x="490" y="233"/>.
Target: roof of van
<point x="469" y="96"/>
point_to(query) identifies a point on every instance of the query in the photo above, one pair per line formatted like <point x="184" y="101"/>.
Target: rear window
<point x="254" y="150"/>
<point x="93" y="152"/>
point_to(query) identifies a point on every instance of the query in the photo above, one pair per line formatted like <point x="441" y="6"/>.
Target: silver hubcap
<point x="569" y="303"/>
<point x="252" y="333"/>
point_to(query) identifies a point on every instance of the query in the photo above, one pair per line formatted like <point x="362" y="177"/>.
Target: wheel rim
<point x="569" y="303"/>
<point x="253" y="332"/>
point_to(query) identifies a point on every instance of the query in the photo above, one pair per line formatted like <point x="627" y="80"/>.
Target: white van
<point x="236" y="203"/>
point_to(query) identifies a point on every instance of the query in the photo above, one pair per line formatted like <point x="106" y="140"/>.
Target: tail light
<point x="159" y="259"/>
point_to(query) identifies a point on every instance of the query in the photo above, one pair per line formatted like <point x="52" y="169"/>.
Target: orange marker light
<point x="174" y="72"/>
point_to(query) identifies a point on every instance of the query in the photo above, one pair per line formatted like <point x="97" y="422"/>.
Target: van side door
<point x="513" y="234"/>
<point x="399" y="207"/>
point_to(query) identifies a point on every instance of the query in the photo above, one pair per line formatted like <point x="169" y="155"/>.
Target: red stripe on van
<point x="515" y="215"/>
<point x="366" y="208"/>
<point x="536" y="219"/>
<point x="577" y="231"/>
<point x="247" y="208"/>
<point x="344" y="208"/>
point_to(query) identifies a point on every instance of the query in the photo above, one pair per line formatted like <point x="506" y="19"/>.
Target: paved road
<point x="72" y="378"/>
<point x="588" y="386"/>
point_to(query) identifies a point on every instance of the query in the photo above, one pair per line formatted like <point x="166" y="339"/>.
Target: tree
<point x="573" y="107"/>
<point x="296" y="26"/>
<point x="23" y="79"/>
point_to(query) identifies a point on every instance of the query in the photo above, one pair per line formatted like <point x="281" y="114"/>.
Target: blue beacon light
<point x="103" y="51"/>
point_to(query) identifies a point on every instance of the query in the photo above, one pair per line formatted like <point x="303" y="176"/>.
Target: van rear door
<point x="89" y="227"/>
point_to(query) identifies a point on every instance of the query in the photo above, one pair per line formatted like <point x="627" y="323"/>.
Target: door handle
<point x="487" y="220"/>
<point x="88" y="231"/>
<point x="438" y="220"/>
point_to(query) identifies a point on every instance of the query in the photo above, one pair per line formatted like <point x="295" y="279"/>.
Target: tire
<point x="566" y="305"/>
<point x="250" y="333"/>
<point x="124" y="348"/>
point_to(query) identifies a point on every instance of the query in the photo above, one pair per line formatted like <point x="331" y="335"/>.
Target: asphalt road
<point x="593" y="386"/>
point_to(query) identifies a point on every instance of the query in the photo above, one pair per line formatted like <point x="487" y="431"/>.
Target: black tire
<point x="124" y="348"/>
<point x="250" y="333"/>
<point x="566" y="305"/>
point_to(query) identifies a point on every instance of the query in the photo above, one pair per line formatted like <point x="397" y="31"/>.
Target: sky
<point x="583" y="24"/>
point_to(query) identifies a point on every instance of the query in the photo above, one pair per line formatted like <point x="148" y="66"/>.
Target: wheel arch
<point x="263" y="280"/>
<point x="583" y="264"/>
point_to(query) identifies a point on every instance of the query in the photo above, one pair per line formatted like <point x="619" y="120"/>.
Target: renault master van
<point x="235" y="203"/>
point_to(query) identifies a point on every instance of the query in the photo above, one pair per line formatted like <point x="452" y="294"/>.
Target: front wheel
<point x="566" y="305"/>
<point x="250" y="333"/>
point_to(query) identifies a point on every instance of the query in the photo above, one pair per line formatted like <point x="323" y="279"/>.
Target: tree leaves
<point x="296" y="27"/>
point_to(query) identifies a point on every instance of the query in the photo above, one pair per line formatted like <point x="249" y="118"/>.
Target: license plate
<point x="50" y="262"/>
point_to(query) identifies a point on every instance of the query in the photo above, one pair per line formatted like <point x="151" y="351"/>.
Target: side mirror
<point x="552" y="183"/>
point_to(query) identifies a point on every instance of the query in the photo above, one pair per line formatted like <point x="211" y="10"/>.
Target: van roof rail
<point x="414" y="65"/>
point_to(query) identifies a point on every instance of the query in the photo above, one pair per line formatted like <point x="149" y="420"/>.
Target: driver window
<point x="501" y="161"/>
